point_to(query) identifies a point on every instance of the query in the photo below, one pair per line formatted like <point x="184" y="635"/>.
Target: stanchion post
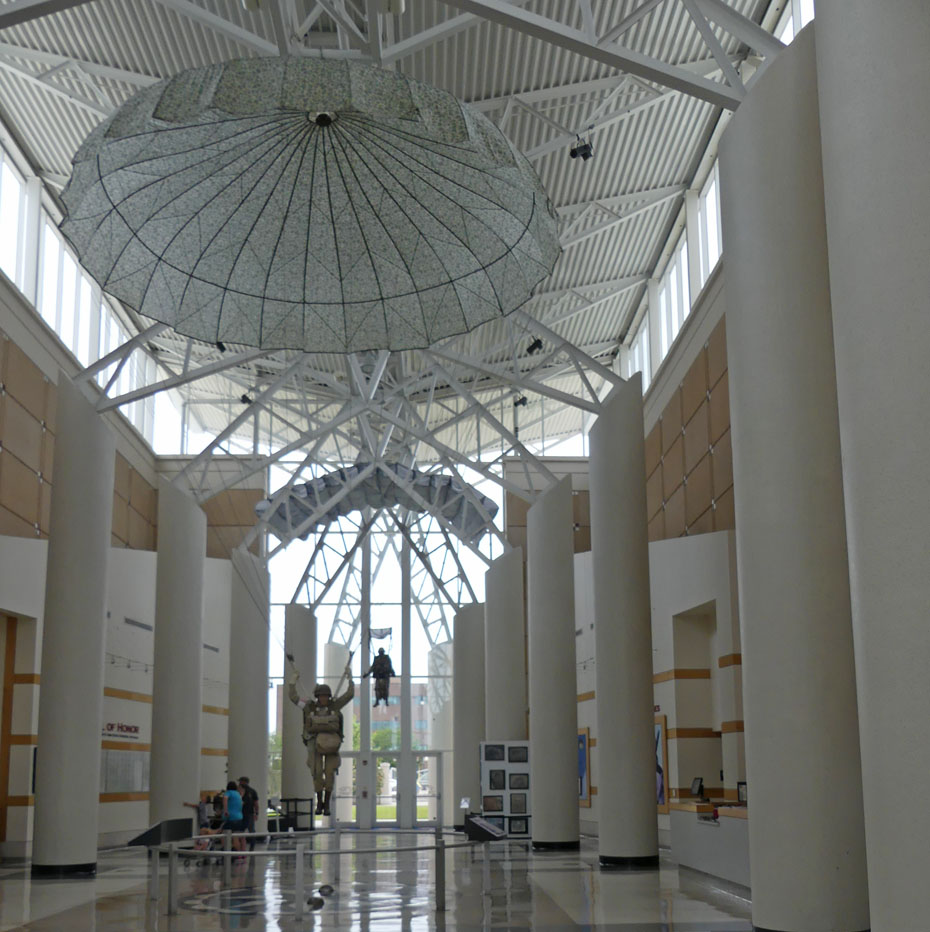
<point x="337" y="838"/>
<point x="299" y="882"/>
<point x="155" y="858"/>
<point x="486" y="869"/>
<point x="227" y="861"/>
<point x="172" y="879"/>
<point x="440" y="875"/>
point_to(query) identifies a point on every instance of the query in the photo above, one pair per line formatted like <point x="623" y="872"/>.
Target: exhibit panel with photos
<point x="505" y="786"/>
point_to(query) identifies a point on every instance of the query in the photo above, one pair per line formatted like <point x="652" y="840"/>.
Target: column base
<point x="647" y="862"/>
<point x="57" y="871"/>
<point x="556" y="845"/>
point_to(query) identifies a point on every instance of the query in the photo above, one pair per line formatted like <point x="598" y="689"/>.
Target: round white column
<point x="806" y="837"/>
<point x="73" y="638"/>
<point x="335" y="658"/>
<point x="468" y="707"/>
<point x="875" y="135"/>
<point x="628" y="834"/>
<point x="248" y="677"/>
<point x="552" y="676"/>
<point x="505" y="649"/>
<point x="178" y="674"/>
<point x="439" y="696"/>
<point x="300" y="642"/>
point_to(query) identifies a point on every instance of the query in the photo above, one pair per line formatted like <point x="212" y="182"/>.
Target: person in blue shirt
<point x="232" y="814"/>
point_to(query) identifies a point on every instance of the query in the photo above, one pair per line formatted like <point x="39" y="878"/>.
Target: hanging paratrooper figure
<point x="382" y="670"/>
<point x="322" y="732"/>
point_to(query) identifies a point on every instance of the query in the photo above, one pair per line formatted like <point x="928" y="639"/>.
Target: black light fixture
<point x="221" y="346"/>
<point x="520" y="402"/>
<point x="246" y="400"/>
<point x="581" y="149"/>
<point x="534" y="347"/>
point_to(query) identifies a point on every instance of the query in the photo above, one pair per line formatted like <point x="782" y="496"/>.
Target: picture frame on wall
<point x="741" y="793"/>
<point x="518" y="754"/>
<point x="584" y="767"/>
<point x="519" y="826"/>
<point x="492" y="803"/>
<point x="496" y="780"/>
<point x="518" y="803"/>
<point x="661" y="740"/>
<point x="519" y="781"/>
<point x="494" y="752"/>
<point x="497" y="821"/>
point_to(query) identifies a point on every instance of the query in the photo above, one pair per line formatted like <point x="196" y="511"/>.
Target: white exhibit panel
<point x="806" y="834"/>
<point x="552" y="674"/>
<point x="178" y="678"/>
<point x="505" y="786"/>
<point x="628" y="832"/>
<point x="505" y="648"/>
<point x="335" y="658"/>
<point x="300" y="642"/>
<point x="71" y="698"/>
<point x="875" y="133"/>
<point x="468" y="708"/>
<point x="439" y="703"/>
<point x="248" y="659"/>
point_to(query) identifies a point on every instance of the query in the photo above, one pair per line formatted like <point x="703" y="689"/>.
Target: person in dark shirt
<point x="249" y="808"/>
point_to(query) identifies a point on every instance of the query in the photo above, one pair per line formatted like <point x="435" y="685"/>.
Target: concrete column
<point x="73" y="639"/>
<point x="406" y="766"/>
<point x="468" y="706"/>
<point x="505" y="649"/>
<point x="335" y="658"/>
<point x="628" y="829"/>
<point x="875" y="135"/>
<point x="439" y="695"/>
<point x="178" y="676"/>
<point x="248" y="678"/>
<point x="552" y="675"/>
<point x="300" y="642"/>
<point x="806" y="837"/>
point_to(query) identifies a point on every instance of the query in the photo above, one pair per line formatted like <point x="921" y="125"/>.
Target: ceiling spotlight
<point x="581" y="149"/>
<point x="246" y="400"/>
<point x="534" y="347"/>
<point x="520" y="402"/>
<point x="221" y="346"/>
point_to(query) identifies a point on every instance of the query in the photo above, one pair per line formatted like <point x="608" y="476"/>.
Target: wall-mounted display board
<point x="505" y="786"/>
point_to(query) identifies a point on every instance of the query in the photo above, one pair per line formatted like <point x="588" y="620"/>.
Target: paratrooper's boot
<point x="326" y="795"/>
<point x="319" y="803"/>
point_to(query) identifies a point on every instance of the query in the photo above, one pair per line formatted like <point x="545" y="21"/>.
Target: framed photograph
<point x="496" y="780"/>
<point x="584" y="767"/>
<point x="494" y="752"/>
<point x="662" y="801"/>
<point x="519" y="826"/>
<point x="518" y="803"/>
<point x="741" y="793"/>
<point x="497" y="821"/>
<point x="519" y="781"/>
<point x="519" y="754"/>
<point x="492" y="803"/>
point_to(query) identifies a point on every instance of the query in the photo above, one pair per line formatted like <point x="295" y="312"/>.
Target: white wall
<point x="131" y="594"/>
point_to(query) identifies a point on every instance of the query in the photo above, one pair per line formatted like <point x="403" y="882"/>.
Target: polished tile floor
<point x="515" y="889"/>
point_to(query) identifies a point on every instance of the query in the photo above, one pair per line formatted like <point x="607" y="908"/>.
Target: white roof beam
<point x="222" y="26"/>
<point x="754" y="35"/>
<point x="22" y="11"/>
<point x="627" y="60"/>
<point x="650" y="202"/>
<point x="92" y="68"/>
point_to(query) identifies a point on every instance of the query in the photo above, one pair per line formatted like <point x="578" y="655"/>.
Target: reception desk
<point x="718" y="847"/>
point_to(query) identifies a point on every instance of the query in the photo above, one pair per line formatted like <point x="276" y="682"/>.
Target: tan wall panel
<point x="581" y="507"/>
<point x="698" y="491"/>
<point x="51" y="407"/>
<point x="45" y="506"/>
<point x="656" y="528"/>
<point x="21" y="432"/>
<point x="582" y="539"/>
<point x="244" y="502"/>
<point x="120" y="526"/>
<point x="19" y="488"/>
<point x="671" y="421"/>
<point x="25" y="382"/>
<point x="722" y="460"/>
<point x="516" y="510"/>
<point x="720" y="408"/>
<point x="12" y="525"/>
<point x="654" y="493"/>
<point x="717" y="353"/>
<point x="141" y="495"/>
<point x="121" y="480"/>
<point x="516" y="536"/>
<point x="724" y="514"/>
<point x="141" y="535"/>
<point x="673" y="468"/>
<point x="696" y="437"/>
<point x="703" y="523"/>
<point x="675" y="513"/>
<point x="653" y="448"/>
<point x="694" y="386"/>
